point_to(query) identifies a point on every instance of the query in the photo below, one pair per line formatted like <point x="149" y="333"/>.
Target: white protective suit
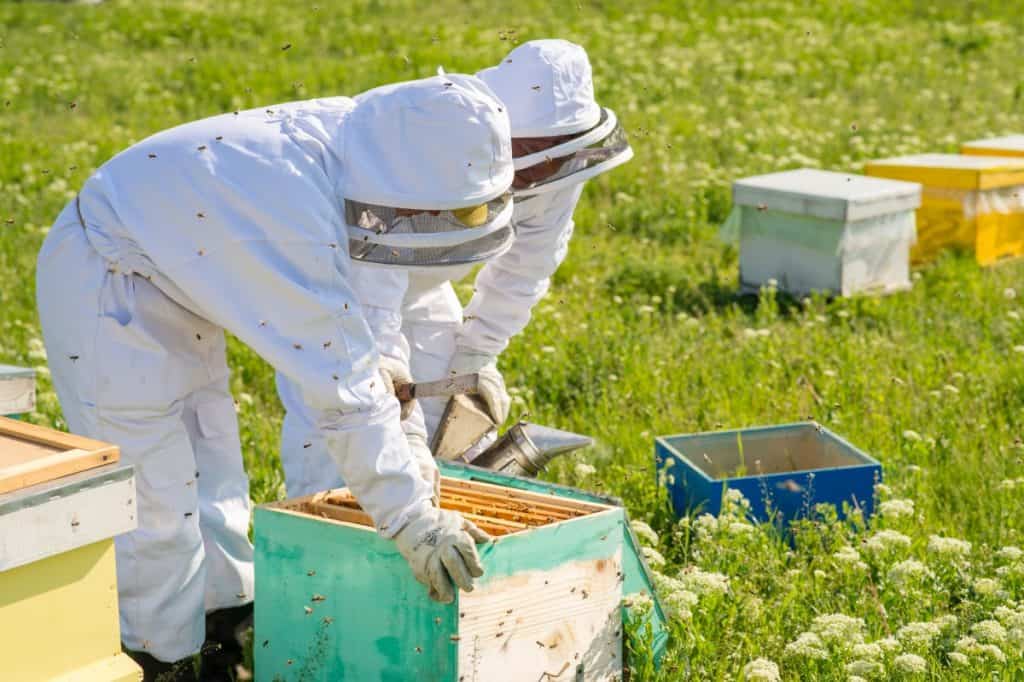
<point x="236" y="223"/>
<point x="431" y="324"/>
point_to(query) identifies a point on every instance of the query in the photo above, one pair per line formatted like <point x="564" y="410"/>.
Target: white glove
<point x="492" y="384"/>
<point x="425" y="460"/>
<point x="440" y="547"/>
<point x="396" y="372"/>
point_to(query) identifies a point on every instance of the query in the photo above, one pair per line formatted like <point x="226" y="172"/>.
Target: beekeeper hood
<point x="563" y="137"/>
<point x="429" y="166"/>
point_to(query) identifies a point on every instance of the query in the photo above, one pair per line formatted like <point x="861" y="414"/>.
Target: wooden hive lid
<point x="953" y="171"/>
<point x="31" y="454"/>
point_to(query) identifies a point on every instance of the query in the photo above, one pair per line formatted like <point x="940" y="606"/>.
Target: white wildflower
<point x="946" y="621"/>
<point x="882" y="490"/>
<point x="958" y="659"/>
<point x="856" y="678"/>
<point x="954" y="548"/>
<point x="1007" y="484"/>
<point x="1010" y="553"/>
<point x="896" y="509"/>
<point x="839" y="629"/>
<point x="705" y="526"/>
<point x="761" y="670"/>
<point x="245" y="398"/>
<point x="583" y="469"/>
<point x="653" y="557"/>
<point x="910" y="663"/>
<point x="849" y="557"/>
<point x="704" y="583"/>
<point x="912" y="435"/>
<point x="548" y="349"/>
<point x="867" y="650"/>
<point x="807" y="645"/>
<point x="865" y="668"/>
<point x="639" y="604"/>
<point x="36" y="349"/>
<point x="908" y="571"/>
<point x="989" y="632"/>
<point x="971" y="647"/>
<point x="1009" y="617"/>
<point x="986" y="587"/>
<point x="886" y="541"/>
<point x="734" y="498"/>
<point x="918" y="635"/>
<point x="644" y="532"/>
<point x="740" y="528"/>
<point x="889" y="645"/>
<point x="677" y="600"/>
<point x="1009" y="293"/>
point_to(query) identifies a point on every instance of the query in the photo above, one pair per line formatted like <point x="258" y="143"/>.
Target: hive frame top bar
<point x="330" y="506"/>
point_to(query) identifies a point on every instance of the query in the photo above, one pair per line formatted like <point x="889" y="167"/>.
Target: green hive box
<point x="337" y="602"/>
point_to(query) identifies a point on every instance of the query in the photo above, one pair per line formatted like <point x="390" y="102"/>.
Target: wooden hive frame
<point x="32" y="454"/>
<point x="497" y="510"/>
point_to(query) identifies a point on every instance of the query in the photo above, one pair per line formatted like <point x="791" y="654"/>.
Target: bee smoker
<point x="525" y="449"/>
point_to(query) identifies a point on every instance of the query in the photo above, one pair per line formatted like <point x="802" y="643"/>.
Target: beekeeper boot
<point x="223" y="650"/>
<point x="160" y="671"/>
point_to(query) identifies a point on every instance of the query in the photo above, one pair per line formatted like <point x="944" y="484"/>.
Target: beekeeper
<point x="561" y="137"/>
<point x="245" y="222"/>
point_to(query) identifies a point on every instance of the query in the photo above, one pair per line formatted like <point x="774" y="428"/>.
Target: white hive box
<point x="17" y="390"/>
<point x="812" y="230"/>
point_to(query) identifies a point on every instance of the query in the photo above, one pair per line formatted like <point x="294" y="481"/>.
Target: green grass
<point x="641" y="334"/>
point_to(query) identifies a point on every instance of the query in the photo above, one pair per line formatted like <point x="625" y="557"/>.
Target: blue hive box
<point x="782" y="470"/>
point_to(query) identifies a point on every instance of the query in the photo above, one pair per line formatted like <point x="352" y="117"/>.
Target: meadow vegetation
<point x="642" y="333"/>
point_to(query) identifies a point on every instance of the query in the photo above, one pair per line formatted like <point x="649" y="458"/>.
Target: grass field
<point x="642" y="334"/>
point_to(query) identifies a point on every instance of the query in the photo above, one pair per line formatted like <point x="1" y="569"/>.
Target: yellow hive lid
<point x="951" y="170"/>
<point x="1010" y="145"/>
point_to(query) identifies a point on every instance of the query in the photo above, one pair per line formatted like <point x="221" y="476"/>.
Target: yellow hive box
<point x="973" y="202"/>
<point x="1011" y="145"/>
<point x="64" y="499"/>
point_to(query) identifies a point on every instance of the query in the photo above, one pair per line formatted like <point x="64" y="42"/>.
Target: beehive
<point x="338" y="602"/>
<point x="782" y="470"/>
<point x="17" y="390"/>
<point x="63" y="500"/>
<point x="1011" y="145"/>
<point x="811" y="230"/>
<point x="638" y="578"/>
<point x="971" y="202"/>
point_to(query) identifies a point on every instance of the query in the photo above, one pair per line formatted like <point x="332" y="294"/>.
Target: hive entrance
<point x="495" y="509"/>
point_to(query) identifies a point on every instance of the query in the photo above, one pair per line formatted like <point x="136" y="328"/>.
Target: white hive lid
<point x="1009" y="143"/>
<point x="824" y="194"/>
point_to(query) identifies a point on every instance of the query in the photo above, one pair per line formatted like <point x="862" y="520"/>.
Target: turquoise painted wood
<point x="373" y="623"/>
<point x="638" y="578"/>
<point x="336" y="602"/>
